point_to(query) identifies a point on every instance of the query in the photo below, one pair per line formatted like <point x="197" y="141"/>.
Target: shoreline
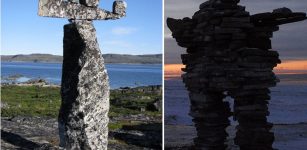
<point x="289" y="136"/>
<point x="108" y="58"/>
<point x="58" y="85"/>
<point x="43" y="62"/>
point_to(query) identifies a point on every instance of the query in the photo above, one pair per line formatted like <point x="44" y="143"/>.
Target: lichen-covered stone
<point x="73" y="10"/>
<point x="119" y="7"/>
<point x="83" y="117"/>
<point x="90" y="3"/>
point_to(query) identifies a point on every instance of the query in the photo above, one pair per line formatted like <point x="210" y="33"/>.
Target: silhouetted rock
<point x="229" y="54"/>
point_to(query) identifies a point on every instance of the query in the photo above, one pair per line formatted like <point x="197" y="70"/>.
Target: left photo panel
<point x="81" y="74"/>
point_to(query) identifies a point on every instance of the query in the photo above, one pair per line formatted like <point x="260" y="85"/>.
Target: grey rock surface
<point x="91" y="3"/>
<point x="74" y="10"/>
<point x="41" y="133"/>
<point x="85" y="89"/>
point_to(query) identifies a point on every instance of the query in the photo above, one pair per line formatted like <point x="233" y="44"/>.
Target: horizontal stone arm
<point x="70" y="10"/>
<point x="277" y="17"/>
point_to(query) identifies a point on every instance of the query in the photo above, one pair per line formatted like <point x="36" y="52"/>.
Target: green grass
<point x="120" y="124"/>
<point x="45" y="101"/>
<point x="30" y="101"/>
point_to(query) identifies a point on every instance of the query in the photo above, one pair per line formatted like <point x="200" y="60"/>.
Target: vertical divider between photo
<point x="162" y="40"/>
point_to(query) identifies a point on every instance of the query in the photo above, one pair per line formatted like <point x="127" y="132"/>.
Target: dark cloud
<point x="176" y="9"/>
<point x="290" y="41"/>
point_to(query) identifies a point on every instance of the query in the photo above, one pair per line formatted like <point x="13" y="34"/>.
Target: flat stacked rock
<point x="229" y="54"/>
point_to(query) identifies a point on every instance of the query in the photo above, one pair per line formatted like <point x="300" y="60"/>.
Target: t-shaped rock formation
<point x="229" y="54"/>
<point x="83" y="117"/>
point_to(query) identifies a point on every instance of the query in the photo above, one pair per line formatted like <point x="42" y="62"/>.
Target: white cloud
<point x="123" y="30"/>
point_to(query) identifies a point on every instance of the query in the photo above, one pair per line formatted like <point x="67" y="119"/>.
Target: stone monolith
<point x="83" y="117"/>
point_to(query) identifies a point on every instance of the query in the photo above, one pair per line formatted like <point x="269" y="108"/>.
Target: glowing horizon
<point x="172" y="70"/>
<point x="286" y="67"/>
<point x="292" y="65"/>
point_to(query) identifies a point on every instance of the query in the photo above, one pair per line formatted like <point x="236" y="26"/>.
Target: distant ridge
<point x="109" y="58"/>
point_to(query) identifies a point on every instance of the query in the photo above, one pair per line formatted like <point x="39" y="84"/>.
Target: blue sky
<point x="24" y="32"/>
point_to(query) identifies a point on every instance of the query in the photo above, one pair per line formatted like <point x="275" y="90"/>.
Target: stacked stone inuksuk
<point x="83" y="117"/>
<point x="229" y="53"/>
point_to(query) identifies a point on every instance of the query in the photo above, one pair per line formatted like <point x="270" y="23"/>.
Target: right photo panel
<point x="235" y="74"/>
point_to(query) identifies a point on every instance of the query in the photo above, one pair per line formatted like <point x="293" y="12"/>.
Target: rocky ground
<point x="42" y="133"/>
<point x="29" y="117"/>
<point x="287" y="136"/>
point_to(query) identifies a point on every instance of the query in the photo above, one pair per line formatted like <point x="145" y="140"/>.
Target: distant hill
<point x="32" y="58"/>
<point x="109" y="58"/>
<point x="140" y="59"/>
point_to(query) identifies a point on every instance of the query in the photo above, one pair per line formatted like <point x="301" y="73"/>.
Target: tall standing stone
<point x="83" y="118"/>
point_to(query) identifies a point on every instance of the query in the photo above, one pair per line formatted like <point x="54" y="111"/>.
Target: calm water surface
<point x="121" y="75"/>
<point x="288" y="104"/>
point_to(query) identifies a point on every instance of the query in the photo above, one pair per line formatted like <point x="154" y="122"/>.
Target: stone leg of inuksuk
<point x="210" y="116"/>
<point x="83" y="118"/>
<point x="252" y="97"/>
<point x="251" y="109"/>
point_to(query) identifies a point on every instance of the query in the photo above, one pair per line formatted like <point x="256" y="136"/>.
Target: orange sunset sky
<point x="286" y="67"/>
